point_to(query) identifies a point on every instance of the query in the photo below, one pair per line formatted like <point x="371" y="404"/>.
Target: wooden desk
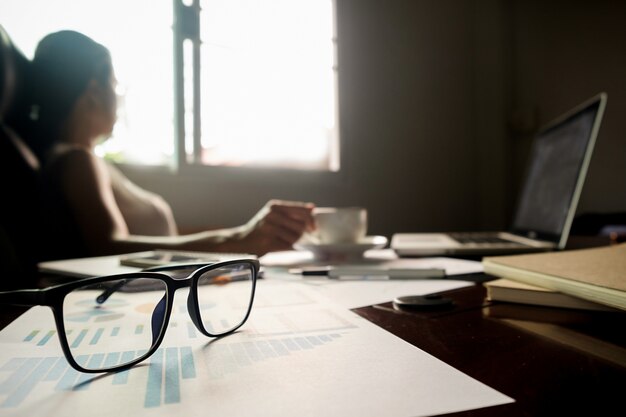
<point x="551" y="361"/>
<point x="560" y="362"/>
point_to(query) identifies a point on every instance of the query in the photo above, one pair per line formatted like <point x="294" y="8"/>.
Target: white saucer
<point x="342" y="251"/>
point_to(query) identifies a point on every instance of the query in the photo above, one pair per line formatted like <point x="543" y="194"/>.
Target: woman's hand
<point x="277" y="226"/>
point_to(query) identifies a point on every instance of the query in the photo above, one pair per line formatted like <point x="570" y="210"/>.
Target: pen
<point x="349" y="273"/>
<point x="365" y="273"/>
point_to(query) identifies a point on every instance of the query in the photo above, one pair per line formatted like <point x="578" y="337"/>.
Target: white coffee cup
<point x="340" y="224"/>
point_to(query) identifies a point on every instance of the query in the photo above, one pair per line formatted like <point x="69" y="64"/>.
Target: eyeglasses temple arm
<point x="28" y="298"/>
<point x="110" y="291"/>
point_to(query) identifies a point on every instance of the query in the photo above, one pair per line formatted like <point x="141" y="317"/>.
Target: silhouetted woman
<point x="90" y="207"/>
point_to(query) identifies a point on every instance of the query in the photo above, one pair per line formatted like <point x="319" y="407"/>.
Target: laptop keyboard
<point x="479" y="239"/>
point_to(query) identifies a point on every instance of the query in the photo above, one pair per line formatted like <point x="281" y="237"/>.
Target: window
<point x="253" y="85"/>
<point x="268" y="83"/>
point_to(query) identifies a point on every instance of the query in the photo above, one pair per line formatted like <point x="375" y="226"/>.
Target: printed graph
<point x="229" y="358"/>
<point x="19" y="377"/>
<point x="83" y="336"/>
<point x="168" y="367"/>
<point x="278" y="297"/>
<point x="103" y="340"/>
<point x="295" y="322"/>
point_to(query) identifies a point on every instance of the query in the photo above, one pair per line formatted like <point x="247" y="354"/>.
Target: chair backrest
<point x="19" y="168"/>
<point x="7" y="73"/>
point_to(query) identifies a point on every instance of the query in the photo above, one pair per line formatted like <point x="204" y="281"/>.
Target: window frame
<point x="186" y="28"/>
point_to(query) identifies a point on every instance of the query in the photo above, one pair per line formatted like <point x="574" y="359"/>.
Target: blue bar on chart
<point x="163" y="386"/>
<point x="155" y="380"/>
<point x="95" y="362"/>
<point x="111" y="360"/>
<point x="187" y="365"/>
<point x="167" y="367"/>
<point x="252" y="350"/>
<point x="79" y="338"/>
<point x="172" y="378"/>
<point x="115" y="331"/>
<point x="16" y="377"/>
<point x="59" y="368"/>
<point x="231" y="356"/>
<point x="96" y="337"/>
<point x="315" y="341"/>
<point x="291" y="345"/>
<point x="139" y="329"/>
<point x="31" y="336"/>
<point x="191" y="330"/>
<point x="121" y="377"/>
<point x="302" y="342"/>
<point x="13" y="364"/>
<point x="266" y="349"/>
<point x="47" y="337"/>
<point x="239" y="353"/>
<point x="279" y="348"/>
<point x="208" y="326"/>
<point x="28" y="384"/>
<point x="69" y="377"/>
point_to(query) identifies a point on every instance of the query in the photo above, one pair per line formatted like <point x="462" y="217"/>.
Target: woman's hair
<point x="64" y="64"/>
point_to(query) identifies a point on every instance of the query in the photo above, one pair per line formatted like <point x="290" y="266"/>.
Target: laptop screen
<point x="558" y="164"/>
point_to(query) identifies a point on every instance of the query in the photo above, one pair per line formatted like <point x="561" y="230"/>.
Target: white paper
<point x="355" y="294"/>
<point x="377" y="258"/>
<point x="297" y="355"/>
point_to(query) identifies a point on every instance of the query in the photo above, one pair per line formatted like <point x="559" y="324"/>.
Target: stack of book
<point x="518" y="292"/>
<point x="586" y="279"/>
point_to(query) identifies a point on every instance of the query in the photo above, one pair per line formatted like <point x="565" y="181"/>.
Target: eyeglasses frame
<point x="54" y="297"/>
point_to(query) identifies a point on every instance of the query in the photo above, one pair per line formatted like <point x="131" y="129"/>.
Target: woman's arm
<point x="88" y="188"/>
<point x="276" y="227"/>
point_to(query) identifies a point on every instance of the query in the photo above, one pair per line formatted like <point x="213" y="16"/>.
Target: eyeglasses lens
<point x="115" y="322"/>
<point x="225" y="297"/>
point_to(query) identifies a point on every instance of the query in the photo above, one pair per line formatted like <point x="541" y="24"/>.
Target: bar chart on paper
<point x="271" y="334"/>
<point x="194" y="375"/>
<point x="20" y="376"/>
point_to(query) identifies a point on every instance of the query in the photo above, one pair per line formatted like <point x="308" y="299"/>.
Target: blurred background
<point x="420" y="110"/>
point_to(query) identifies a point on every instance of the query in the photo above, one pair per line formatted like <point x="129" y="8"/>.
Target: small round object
<point x="423" y="302"/>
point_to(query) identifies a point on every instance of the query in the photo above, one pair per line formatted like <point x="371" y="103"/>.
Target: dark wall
<point x="437" y="101"/>
<point x="565" y="52"/>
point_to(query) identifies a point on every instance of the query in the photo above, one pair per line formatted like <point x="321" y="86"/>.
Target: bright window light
<point x="268" y="89"/>
<point x="268" y="77"/>
<point x="138" y="33"/>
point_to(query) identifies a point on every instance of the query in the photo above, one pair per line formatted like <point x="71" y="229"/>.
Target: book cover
<point x="518" y="292"/>
<point x="597" y="275"/>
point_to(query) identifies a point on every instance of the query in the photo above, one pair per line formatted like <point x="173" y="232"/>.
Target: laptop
<point x="556" y="171"/>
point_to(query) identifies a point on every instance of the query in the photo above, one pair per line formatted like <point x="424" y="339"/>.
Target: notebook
<point x="555" y="174"/>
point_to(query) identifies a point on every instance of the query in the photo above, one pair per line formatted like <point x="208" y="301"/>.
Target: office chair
<point x="19" y="206"/>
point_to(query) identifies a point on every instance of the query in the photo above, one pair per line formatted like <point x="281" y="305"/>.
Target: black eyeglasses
<point x="134" y="309"/>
